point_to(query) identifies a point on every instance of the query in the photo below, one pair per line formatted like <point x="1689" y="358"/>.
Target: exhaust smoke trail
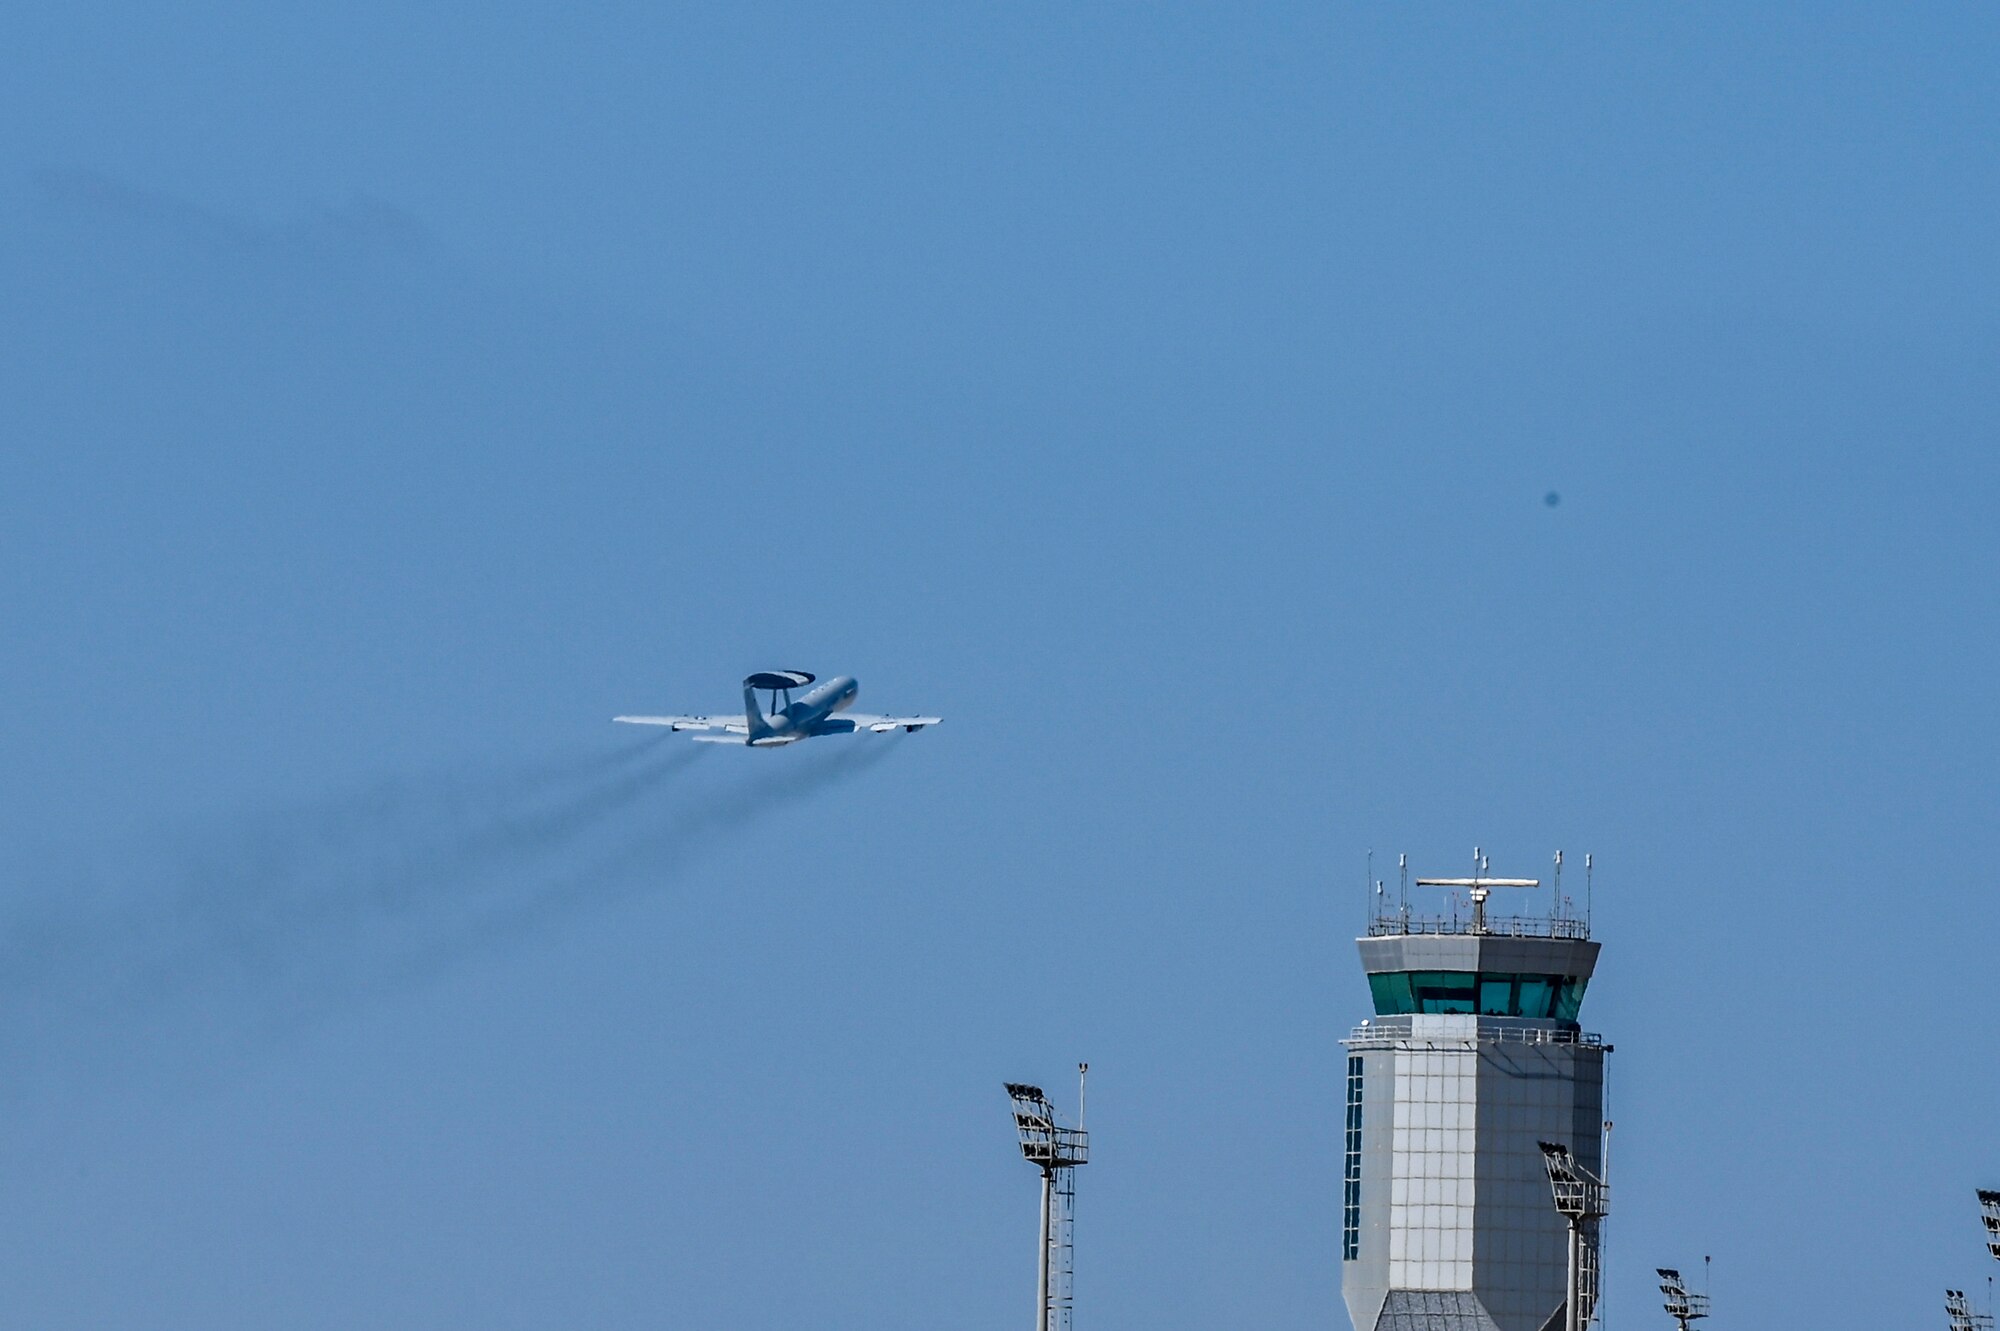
<point x="228" y="940"/>
<point x="287" y="912"/>
<point x="692" y="826"/>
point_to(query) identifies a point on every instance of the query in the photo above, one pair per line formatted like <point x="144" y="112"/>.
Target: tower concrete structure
<point x="1474" y="1057"/>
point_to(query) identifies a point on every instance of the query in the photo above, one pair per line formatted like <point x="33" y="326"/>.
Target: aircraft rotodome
<point x="812" y="715"/>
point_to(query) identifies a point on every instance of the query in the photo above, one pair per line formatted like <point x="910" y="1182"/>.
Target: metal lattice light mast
<point x="1583" y="1199"/>
<point x="1056" y="1151"/>
<point x="1958" y="1310"/>
<point x="1989" y="1211"/>
<point x="1684" y="1307"/>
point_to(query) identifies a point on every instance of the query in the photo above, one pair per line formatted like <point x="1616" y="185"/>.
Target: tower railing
<point x="1375" y="1035"/>
<point x="1511" y="926"/>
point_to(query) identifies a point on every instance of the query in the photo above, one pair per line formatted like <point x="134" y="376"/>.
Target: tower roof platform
<point x="1575" y="958"/>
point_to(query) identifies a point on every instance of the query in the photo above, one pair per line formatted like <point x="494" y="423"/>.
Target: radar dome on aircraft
<point x="780" y="679"/>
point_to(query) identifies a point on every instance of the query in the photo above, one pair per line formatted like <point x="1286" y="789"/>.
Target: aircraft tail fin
<point x="753" y="712"/>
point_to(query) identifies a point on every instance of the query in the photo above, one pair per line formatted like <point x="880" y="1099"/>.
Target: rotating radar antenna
<point x="775" y="682"/>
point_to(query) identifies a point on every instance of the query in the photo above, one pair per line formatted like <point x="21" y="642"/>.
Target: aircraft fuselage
<point x="805" y="716"/>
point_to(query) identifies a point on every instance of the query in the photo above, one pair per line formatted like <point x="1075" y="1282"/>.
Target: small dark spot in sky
<point x="1552" y="499"/>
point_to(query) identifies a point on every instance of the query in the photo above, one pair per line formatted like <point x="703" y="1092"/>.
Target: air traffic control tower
<point x="1474" y="1058"/>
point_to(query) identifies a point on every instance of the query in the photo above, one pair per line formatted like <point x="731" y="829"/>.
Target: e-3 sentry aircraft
<point x="813" y="714"/>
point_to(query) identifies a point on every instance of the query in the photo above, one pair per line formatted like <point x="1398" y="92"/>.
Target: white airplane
<point x="811" y="715"/>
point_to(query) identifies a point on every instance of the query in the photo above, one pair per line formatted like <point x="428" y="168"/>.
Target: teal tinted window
<point x="1569" y="998"/>
<point x="1490" y="994"/>
<point x="1391" y="993"/>
<point x="1444" y="991"/>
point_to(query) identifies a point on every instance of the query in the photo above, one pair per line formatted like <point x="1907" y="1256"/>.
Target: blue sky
<point x="1167" y="396"/>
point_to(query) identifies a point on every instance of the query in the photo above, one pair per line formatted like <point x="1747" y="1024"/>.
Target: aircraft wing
<point x="863" y="721"/>
<point x="733" y="725"/>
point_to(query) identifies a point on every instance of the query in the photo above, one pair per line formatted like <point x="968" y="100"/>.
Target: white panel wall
<point x="1431" y="1192"/>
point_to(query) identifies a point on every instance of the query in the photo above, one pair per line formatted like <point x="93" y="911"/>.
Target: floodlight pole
<point x="1684" y="1307"/>
<point x="1989" y="1212"/>
<point x="1056" y="1151"/>
<point x="1042" y="1262"/>
<point x="1959" y="1313"/>
<point x="1581" y="1198"/>
<point x="1572" y="1302"/>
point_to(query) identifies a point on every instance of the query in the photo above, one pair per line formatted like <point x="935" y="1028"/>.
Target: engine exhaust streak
<point x="213" y="945"/>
